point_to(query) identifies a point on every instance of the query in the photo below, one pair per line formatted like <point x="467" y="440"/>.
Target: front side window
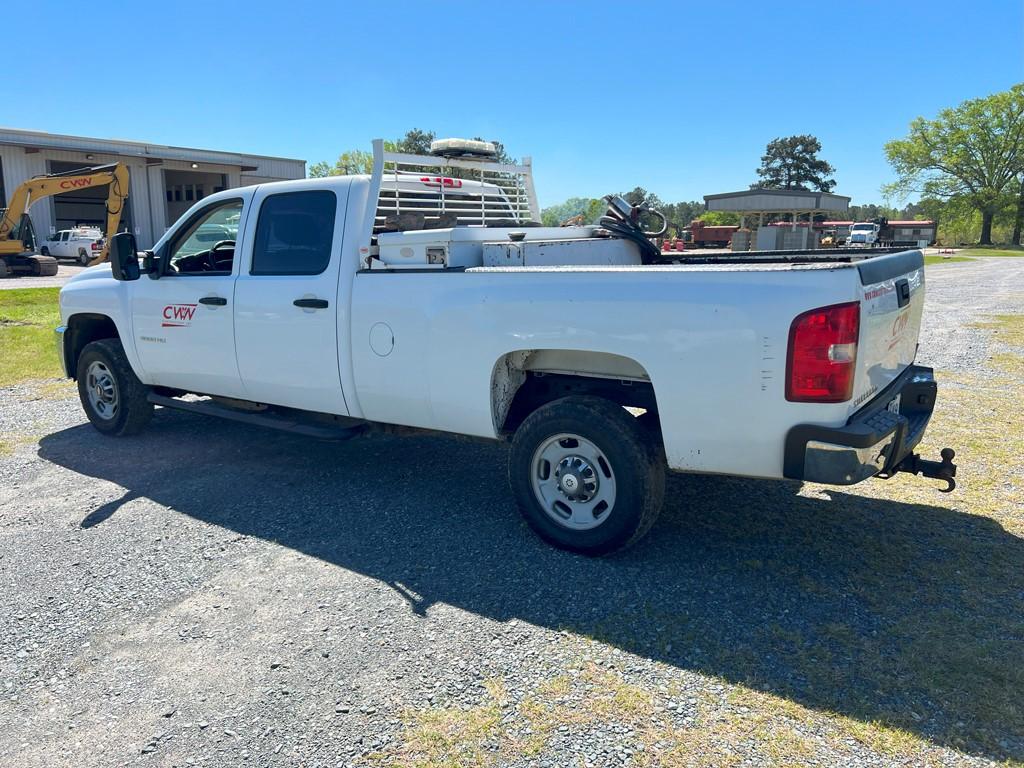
<point x="294" y="233"/>
<point x="206" y="243"/>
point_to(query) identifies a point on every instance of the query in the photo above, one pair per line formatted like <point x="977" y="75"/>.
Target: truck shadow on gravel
<point x="906" y="614"/>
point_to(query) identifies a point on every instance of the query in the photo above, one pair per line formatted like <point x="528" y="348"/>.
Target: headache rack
<point x="442" y="191"/>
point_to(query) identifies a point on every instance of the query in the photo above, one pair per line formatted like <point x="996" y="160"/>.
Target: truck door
<point x="286" y="311"/>
<point x="183" y="322"/>
<point x="61" y="248"/>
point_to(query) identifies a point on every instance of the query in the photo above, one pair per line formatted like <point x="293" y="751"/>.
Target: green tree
<point x="974" y="152"/>
<point x="1018" y="213"/>
<point x="640" y="196"/>
<point x="415" y="142"/>
<point x="592" y="209"/>
<point x="793" y="163"/>
<point x="350" y="163"/>
<point x="681" y="214"/>
<point x="720" y="218"/>
<point x="871" y="211"/>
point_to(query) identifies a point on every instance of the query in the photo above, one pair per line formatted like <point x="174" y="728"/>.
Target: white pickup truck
<point x="424" y="296"/>
<point x="83" y="244"/>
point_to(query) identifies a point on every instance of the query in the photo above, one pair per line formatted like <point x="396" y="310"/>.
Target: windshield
<point x="867" y="227"/>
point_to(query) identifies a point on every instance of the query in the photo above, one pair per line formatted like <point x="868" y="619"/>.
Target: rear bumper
<point x="875" y="439"/>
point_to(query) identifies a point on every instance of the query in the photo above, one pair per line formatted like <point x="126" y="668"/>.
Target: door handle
<point x="311" y="303"/>
<point x="216" y="301"/>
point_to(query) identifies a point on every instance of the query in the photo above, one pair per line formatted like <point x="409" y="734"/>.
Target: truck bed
<point x="813" y="256"/>
<point x="743" y="261"/>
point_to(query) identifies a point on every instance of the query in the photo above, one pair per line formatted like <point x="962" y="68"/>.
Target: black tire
<point x="634" y="461"/>
<point x="133" y="411"/>
<point x="44" y="251"/>
<point x="83" y="257"/>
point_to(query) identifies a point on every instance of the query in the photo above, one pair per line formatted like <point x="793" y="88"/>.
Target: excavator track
<point x="43" y="266"/>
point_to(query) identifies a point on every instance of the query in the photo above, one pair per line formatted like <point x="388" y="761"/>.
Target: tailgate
<point x="892" y="300"/>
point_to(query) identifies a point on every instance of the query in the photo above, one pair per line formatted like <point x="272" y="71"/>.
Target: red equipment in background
<point x="699" y="234"/>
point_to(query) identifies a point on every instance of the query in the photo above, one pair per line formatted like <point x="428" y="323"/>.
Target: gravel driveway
<point x="213" y="594"/>
<point x="65" y="272"/>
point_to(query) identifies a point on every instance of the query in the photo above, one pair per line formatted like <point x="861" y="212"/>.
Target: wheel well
<point x="519" y="388"/>
<point x="83" y="329"/>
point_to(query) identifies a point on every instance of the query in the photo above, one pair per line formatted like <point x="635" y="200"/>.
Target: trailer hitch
<point x="940" y="470"/>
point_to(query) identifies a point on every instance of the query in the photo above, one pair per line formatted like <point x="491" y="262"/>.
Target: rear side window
<point x="294" y="233"/>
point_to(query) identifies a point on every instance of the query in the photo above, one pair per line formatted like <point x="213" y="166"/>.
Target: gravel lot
<point x="209" y="593"/>
<point x="65" y="271"/>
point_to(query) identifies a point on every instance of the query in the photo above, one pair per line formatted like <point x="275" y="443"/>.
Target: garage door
<point x="83" y="207"/>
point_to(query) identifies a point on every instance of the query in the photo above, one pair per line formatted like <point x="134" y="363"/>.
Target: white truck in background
<point x="864" y="234"/>
<point x="424" y="295"/>
<point x="83" y="244"/>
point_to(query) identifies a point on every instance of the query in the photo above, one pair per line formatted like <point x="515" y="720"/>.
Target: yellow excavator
<point x="17" y="236"/>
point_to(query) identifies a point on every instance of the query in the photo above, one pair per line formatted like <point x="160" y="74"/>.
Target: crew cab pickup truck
<point x="81" y="244"/>
<point x="423" y="295"/>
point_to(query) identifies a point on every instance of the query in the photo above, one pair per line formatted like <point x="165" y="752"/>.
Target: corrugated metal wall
<point x="147" y="193"/>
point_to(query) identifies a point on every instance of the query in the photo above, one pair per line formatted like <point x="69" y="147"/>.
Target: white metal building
<point x="164" y="181"/>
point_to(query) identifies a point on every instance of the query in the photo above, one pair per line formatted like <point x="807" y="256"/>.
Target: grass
<point x="27" y="319"/>
<point x="1008" y="329"/>
<point x="9" y="442"/>
<point x="986" y="251"/>
<point x="707" y="730"/>
<point x="935" y="259"/>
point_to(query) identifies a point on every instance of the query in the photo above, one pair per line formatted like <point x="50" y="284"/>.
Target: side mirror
<point x="124" y="257"/>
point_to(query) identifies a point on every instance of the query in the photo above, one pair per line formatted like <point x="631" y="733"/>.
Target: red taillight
<point x="823" y="354"/>
<point x="97" y="246"/>
<point x="437" y="181"/>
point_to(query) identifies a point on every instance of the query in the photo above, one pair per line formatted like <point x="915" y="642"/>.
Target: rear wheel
<point x="586" y="476"/>
<point x="83" y="257"/>
<point x="112" y="396"/>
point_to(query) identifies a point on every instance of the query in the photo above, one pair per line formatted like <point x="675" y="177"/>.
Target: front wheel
<point x="112" y="396"/>
<point x="44" y="251"/>
<point x="586" y="476"/>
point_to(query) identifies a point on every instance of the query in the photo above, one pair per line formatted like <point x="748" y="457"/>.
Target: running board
<point x="269" y="420"/>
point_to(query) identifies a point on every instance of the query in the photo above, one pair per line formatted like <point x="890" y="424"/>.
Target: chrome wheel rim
<point x="573" y="481"/>
<point x="102" y="390"/>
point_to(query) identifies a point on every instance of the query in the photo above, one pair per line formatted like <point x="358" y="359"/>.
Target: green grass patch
<point x="27" y="319"/>
<point x="934" y="259"/>
<point x="1008" y="329"/>
<point x="984" y="251"/>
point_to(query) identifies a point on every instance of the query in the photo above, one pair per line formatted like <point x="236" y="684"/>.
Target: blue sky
<point x="678" y="98"/>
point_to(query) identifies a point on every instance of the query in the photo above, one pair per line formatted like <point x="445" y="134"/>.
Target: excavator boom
<point x="115" y="175"/>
